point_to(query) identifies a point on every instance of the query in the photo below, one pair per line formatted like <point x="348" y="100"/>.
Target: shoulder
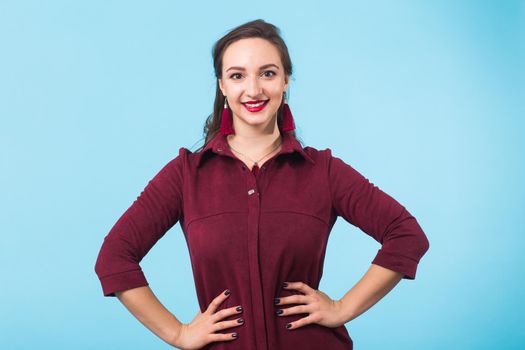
<point x="188" y="159"/>
<point x="330" y="162"/>
<point x="177" y="161"/>
<point x="319" y="155"/>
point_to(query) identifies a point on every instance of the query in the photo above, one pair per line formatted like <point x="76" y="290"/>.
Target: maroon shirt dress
<point x="250" y="231"/>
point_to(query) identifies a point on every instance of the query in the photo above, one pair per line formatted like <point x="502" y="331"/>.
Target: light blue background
<point x="425" y="98"/>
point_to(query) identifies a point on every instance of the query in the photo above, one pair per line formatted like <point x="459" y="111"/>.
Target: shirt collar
<point x="219" y="145"/>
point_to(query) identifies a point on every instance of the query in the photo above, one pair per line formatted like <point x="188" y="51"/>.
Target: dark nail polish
<point x="278" y="312"/>
<point x="240" y="320"/>
<point x="285" y="284"/>
<point x="276" y="301"/>
<point x="235" y="335"/>
<point x="227" y="292"/>
<point x="239" y="308"/>
<point x="288" y="325"/>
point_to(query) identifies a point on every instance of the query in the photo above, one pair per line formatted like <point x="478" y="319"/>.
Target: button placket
<point x="259" y="318"/>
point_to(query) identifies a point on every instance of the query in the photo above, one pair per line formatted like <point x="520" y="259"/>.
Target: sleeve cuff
<point x="122" y="281"/>
<point x="397" y="263"/>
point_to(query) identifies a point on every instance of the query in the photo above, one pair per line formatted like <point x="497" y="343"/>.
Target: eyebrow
<point x="262" y="67"/>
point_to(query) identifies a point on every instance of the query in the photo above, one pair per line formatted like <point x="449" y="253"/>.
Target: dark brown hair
<point x="253" y="29"/>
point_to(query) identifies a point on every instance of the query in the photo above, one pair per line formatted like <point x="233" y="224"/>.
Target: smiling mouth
<point x="255" y="107"/>
<point x="255" y="104"/>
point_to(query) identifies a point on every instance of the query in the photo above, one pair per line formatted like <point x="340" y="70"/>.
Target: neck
<point x="255" y="144"/>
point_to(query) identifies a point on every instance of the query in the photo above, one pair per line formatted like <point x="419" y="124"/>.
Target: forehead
<point x="250" y="53"/>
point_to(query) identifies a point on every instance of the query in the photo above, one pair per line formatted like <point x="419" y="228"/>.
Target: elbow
<point x="423" y="243"/>
<point x="100" y="267"/>
<point x="420" y="243"/>
<point x="111" y="259"/>
<point x="419" y="240"/>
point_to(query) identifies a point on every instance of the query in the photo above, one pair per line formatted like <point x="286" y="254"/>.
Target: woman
<point x="256" y="209"/>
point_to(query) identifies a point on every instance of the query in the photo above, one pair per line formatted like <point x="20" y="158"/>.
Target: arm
<point x="145" y="306"/>
<point x="373" y="286"/>
<point x="150" y="216"/>
<point x="403" y="242"/>
<point x="362" y="204"/>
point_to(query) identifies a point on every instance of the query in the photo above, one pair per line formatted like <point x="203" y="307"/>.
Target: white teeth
<point x="255" y="105"/>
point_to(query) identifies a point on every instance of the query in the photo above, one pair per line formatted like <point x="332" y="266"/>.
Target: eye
<point x="233" y="75"/>
<point x="269" y="71"/>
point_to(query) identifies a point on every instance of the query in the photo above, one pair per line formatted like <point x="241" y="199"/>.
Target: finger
<point x="223" y="337"/>
<point x="301" y="309"/>
<point x="219" y="315"/>
<point x="300" y="322"/>
<point x="216" y="302"/>
<point x="293" y="299"/>
<point x="219" y="326"/>
<point x="300" y="286"/>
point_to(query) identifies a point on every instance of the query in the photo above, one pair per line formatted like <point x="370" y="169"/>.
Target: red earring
<point x="288" y="122"/>
<point x="226" y="120"/>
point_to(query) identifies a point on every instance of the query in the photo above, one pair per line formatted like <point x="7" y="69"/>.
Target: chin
<point x="256" y="120"/>
<point x="250" y="117"/>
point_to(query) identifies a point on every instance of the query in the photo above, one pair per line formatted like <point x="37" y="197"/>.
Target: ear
<point x="221" y="87"/>
<point x="286" y="80"/>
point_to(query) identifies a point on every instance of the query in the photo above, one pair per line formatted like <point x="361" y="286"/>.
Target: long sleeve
<point x="364" y="205"/>
<point x="150" y="216"/>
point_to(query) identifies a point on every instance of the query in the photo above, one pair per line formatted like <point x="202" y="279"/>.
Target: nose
<point x="253" y="87"/>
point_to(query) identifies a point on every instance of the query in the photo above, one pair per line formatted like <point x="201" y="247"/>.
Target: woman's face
<point x="252" y="71"/>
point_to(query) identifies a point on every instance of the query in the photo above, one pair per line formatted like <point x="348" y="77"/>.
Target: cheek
<point x="276" y="91"/>
<point x="234" y="94"/>
<point x="277" y="98"/>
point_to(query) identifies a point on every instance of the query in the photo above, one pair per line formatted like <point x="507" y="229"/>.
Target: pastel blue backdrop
<point x="425" y="98"/>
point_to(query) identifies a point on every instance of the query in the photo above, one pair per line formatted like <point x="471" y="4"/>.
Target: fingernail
<point x="278" y="312"/>
<point x="227" y="292"/>
<point x="288" y="325"/>
<point x="276" y="301"/>
<point x="235" y="335"/>
<point x="285" y="284"/>
<point x="240" y="320"/>
<point x="239" y="308"/>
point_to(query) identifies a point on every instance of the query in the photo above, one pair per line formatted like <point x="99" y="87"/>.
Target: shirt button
<point x="219" y="149"/>
<point x="252" y="191"/>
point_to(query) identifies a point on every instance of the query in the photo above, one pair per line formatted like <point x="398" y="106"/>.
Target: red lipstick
<point x="257" y="108"/>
